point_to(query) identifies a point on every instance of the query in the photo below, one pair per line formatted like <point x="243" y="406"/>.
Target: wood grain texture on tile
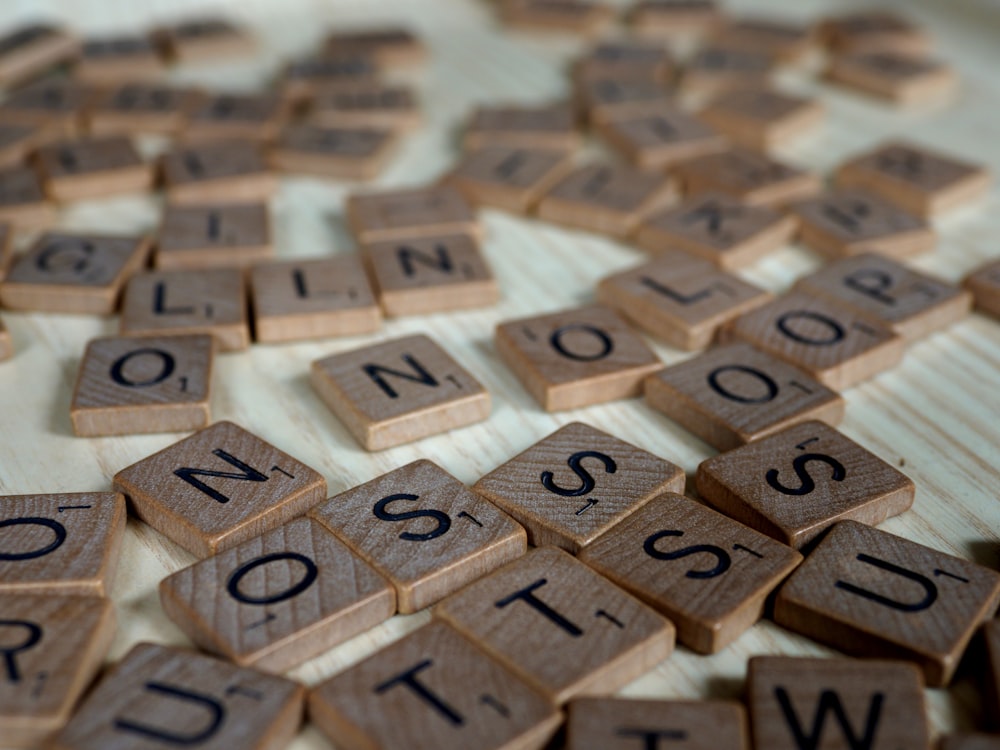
<point x="204" y="236"/>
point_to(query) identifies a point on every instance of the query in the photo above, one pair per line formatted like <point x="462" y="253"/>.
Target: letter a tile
<point x="218" y="488"/>
<point x="871" y="593"/>
<point x="559" y="625"/>
<point x="158" y="697"/>
<point x="432" y="689"/>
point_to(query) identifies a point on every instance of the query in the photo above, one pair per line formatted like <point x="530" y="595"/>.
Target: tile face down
<point x="796" y="483"/>
<point x="162" y="696"/>
<point x="432" y="689"/>
<point x="714" y="596"/>
<point x="509" y="177"/>
<point x="221" y="172"/>
<point x="186" y="491"/>
<point x="871" y="593"/>
<point x="279" y="599"/>
<point x="559" y="625"/>
<point x="93" y="168"/>
<point x="734" y="394"/>
<point x="409" y="213"/>
<point x="423" y="530"/>
<point x="577" y="357"/>
<point x="836" y="703"/>
<point x="212" y="236"/>
<point x="53" y="647"/>
<point x="399" y="391"/>
<point x="576" y="484"/>
<point x="65" y="544"/>
<point x="129" y="385"/>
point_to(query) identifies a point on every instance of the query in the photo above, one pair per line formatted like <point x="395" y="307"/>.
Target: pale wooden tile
<point x="512" y="178"/>
<point x="207" y="39"/>
<point x="660" y="138"/>
<point x="903" y="79"/>
<point x="116" y="59"/>
<point x="93" y="168"/>
<point x="673" y="18"/>
<point x="409" y="213"/>
<point x="342" y="153"/>
<point x="141" y="108"/>
<point x="23" y="203"/>
<point x="227" y="172"/>
<point x="782" y="41"/>
<point x="388" y="44"/>
<point x="874" y="30"/>
<point x="577" y="17"/>
<point x="984" y="283"/>
<point x="763" y="119"/>
<point x="366" y="105"/>
<point x="749" y="176"/>
<point x="212" y="236"/>
<point x="543" y="126"/>
<point x="32" y="49"/>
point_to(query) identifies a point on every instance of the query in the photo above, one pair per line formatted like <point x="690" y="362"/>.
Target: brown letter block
<point x="6" y="345"/>
<point x="161" y="696"/>
<point x="659" y="139"/>
<point x="715" y="69"/>
<point x="218" y="488"/>
<point x="544" y="126"/>
<point x="578" y="17"/>
<point x="684" y="304"/>
<point x="252" y="117"/>
<point x="94" y="168"/>
<point x="390" y="46"/>
<point x="18" y="142"/>
<point x="367" y="105"/>
<point x="764" y="119"/>
<point x="309" y="78"/>
<point x="53" y="647"/>
<point x="559" y="625"/>
<point x="782" y="42"/>
<point x="116" y="59"/>
<point x="312" y="298"/>
<point x="713" y="597"/>
<point x="128" y="385"/>
<point x="279" y="599"/>
<point x="138" y="108"/>
<point x="627" y="724"/>
<point x="622" y="59"/>
<point x="830" y="341"/>
<point x="200" y="40"/>
<point x="573" y="358"/>
<point x="341" y="153"/>
<point x="210" y="236"/>
<point x="32" y="49"/>
<point x="399" y="391"/>
<point x="751" y="177"/>
<point x="871" y="593"/>
<point x="911" y="303"/>
<point x="432" y="689"/>
<point x="991" y="636"/>
<point x="60" y="544"/>
<point x="984" y="283"/>
<point x="431" y="274"/>
<point x="576" y="484"/>
<point x="23" y="204"/>
<point x="836" y="703"/>
<point x="673" y="18"/>
<point x="796" y="483"/>
<point x="509" y="177"/>
<point x="602" y="99"/>
<point x="220" y="172"/>
<point x="901" y="78"/>
<point x="57" y="106"/>
<point x="6" y="248"/>
<point x="73" y="273"/>
<point x="874" y="30"/>
<point x="916" y="179"/>
<point x="210" y="300"/>
<point x="733" y="394"/>
<point x="423" y="530"/>
<point x="406" y="214"/>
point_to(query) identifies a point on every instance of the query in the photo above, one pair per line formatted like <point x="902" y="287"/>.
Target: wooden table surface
<point x="936" y="415"/>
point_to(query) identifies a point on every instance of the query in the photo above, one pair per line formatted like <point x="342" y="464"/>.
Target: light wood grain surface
<point x="934" y="416"/>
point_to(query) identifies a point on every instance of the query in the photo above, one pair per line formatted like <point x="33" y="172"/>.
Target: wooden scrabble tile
<point x="574" y="358"/>
<point x="874" y="30"/>
<point x="626" y="724"/>
<point x="542" y="126"/>
<point x="93" y="168"/>
<point x="509" y="177"/>
<point x="970" y="741"/>
<point x="715" y="69"/>
<point x="631" y="58"/>
<point x="570" y="506"/>
<point x="868" y="592"/>
<point x="65" y="544"/>
<point x="798" y="702"/>
<point x="423" y="530"/>
<point x="761" y="118"/>
<point x="140" y="384"/>
<point x="209" y="236"/>
<point x="409" y="213"/>
<point x="830" y="341"/>
<point x="221" y="172"/>
<point x="200" y="40"/>
<point x="991" y="637"/>
<point x="660" y="138"/>
<point x="593" y="635"/>
<point x="316" y="298"/>
<point x="780" y="40"/>
<point x="32" y="49"/>
<point x="73" y="273"/>
<point x="711" y="599"/>
<point x="727" y="232"/>
<point x="23" y="204"/>
<point x="279" y="599"/>
<point x="305" y="80"/>
<point x="252" y="117"/>
<point x="6" y="344"/>
<point x="53" y="647"/>
<point x="163" y="696"/>
<point x="378" y="106"/>
<point x="901" y="78"/>
<point x="6" y="248"/>
<point x="580" y="17"/>
<point x="921" y="181"/>
<point x="184" y="491"/>
<point x="116" y="59"/>
<point x="399" y="391"/>
<point x="754" y="483"/>
<point x="850" y="221"/>
<point x="17" y="143"/>
<point x="984" y="283"/>
<point x="684" y="304"/>
<point x="606" y="198"/>
<point x="432" y="688"/>
<point x="673" y="18"/>
<point x="734" y="394"/>
<point x="390" y="46"/>
<point x="58" y="105"/>
<point x="749" y="176"/>
<point x="911" y="303"/>
<point x="141" y="108"/>
<point x="600" y="99"/>
<point x="211" y="301"/>
<point x="341" y="153"/>
<point x="431" y="274"/>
